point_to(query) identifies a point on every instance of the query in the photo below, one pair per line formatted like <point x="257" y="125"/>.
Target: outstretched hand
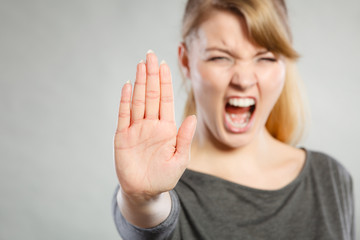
<point x="150" y="155"/>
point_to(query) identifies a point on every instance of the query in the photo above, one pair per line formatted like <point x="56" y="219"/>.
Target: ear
<point x="183" y="59"/>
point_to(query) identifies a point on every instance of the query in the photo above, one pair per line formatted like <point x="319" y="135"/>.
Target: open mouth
<point x="238" y="113"/>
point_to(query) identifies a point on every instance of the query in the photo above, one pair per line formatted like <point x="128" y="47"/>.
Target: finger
<point x="166" y="94"/>
<point x="185" y="136"/>
<point x="124" y="109"/>
<point x="138" y="100"/>
<point x="152" y="96"/>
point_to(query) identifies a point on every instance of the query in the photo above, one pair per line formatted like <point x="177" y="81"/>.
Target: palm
<point x="148" y="151"/>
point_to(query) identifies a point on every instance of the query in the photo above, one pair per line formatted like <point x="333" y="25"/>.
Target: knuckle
<point x="124" y="115"/>
<point x="138" y="102"/>
<point x="120" y="131"/>
<point x="151" y="116"/>
<point x="152" y="94"/>
<point x="140" y="83"/>
<point x="152" y="74"/>
<point x="138" y="120"/>
<point x="166" y="83"/>
<point x="167" y="99"/>
<point x="185" y="140"/>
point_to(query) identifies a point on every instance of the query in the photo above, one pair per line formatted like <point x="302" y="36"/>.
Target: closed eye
<point x="218" y="58"/>
<point x="268" y="59"/>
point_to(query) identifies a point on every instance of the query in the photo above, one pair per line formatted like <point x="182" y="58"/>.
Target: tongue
<point x="236" y="110"/>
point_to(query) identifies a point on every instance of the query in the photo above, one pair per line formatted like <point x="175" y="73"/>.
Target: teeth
<point x="238" y="124"/>
<point x="241" y="102"/>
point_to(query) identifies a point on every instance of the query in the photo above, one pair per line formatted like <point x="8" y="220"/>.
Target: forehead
<point x="224" y="29"/>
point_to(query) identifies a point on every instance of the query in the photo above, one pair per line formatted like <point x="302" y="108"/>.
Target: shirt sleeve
<point x="163" y="231"/>
<point x="343" y="182"/>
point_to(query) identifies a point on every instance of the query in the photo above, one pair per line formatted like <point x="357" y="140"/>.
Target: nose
<point x="244" y="77"/>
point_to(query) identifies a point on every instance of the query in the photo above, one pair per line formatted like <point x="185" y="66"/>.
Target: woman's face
<point x="235" y="82"/>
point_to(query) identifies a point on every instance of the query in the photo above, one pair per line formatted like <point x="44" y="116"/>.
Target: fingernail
<point x="141" y="61"/>
<point x="128" y="81"/>
<point x="150" y="51"/>
<point x="163" y="62"/>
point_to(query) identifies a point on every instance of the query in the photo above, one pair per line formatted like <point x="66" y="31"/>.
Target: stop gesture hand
<point x="150" y="155"/>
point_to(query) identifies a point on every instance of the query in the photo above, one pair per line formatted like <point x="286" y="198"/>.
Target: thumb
<point x="185" y="135"/>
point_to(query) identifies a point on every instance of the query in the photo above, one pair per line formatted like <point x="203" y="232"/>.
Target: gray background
<point x="62" y="64"/>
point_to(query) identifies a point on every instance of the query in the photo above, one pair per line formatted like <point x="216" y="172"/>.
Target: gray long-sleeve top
<point x="318" y="204"/>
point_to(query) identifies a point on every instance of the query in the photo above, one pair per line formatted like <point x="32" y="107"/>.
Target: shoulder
<point x="332" y="185"/>
<point x="327" y="167"/>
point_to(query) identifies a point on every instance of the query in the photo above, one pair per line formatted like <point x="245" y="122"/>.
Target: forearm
<point x="161" y="231"/>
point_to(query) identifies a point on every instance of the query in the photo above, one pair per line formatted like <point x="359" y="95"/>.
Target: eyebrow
<point x="260" y="52"/>
<point x="219" y="49"/>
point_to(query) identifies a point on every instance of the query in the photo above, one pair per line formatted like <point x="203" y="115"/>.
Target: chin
<point x="232" y="141"/>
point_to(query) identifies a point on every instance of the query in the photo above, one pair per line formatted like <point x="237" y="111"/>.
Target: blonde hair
<point x="268" y="27"/>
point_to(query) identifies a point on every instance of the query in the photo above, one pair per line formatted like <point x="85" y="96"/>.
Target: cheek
<point x="272" y="78"/>
<point x="209" y="81"/>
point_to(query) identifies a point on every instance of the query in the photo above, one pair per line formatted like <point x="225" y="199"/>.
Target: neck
<point x="207" y="151"/>
<point x="263" y="163"/>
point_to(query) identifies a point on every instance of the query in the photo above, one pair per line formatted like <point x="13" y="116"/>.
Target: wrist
<point x="144" y="211"/>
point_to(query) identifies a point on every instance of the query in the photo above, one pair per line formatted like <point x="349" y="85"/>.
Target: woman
<point x="245" y="179"/>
